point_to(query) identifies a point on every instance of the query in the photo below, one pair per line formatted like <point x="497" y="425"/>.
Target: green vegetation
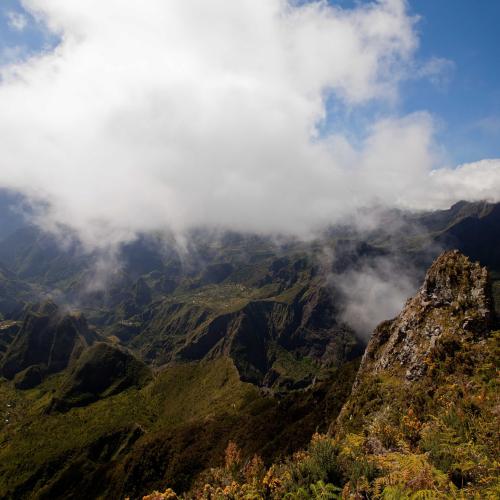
<point x="187" y="413"/>
<point x="196" y="328"/>
<point x="438" y="438"/>
<point x="422" y="418"/>
<point x="101" y="371"/>
<point x="47" y="339"/>
<point x="221" y="298"/>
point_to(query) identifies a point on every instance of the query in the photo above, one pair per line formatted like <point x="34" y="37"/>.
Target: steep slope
<point x="301" y="325"/>
<point x="475" y="234"/>
<point x="259" y="334"/>
<point x="40" y="257"/>
<point x="168" y="431"/>
<point x="238" y="308"/>
<point x="14" y="294"/>
<point x="453" y="301"/>
<point x="139" y="298"/>
<point x="8" y="332"/>
<point x="422" y="419"/>
<point x="101" y="371"/>
<point x="426" y="395"/>
<point x="48" y="339"/>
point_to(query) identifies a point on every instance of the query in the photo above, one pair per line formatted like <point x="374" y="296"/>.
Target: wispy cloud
<point x="375" y="292"/>
<point x="489" y="125"/>
<point x="439" y="71"/>
<point x="16" y="20"/>
<point x="12" y="54"/>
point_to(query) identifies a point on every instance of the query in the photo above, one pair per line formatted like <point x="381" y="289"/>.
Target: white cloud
<point x="17" y="20"/>
<point x="471" y="181"/>
<point x="154" y="114"/>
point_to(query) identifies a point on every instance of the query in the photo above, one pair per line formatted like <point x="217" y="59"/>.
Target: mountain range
<point x="129" y="370"/>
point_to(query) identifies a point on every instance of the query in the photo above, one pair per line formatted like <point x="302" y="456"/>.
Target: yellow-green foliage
<point x="168" y="494"/>
<point x="295" y="479"/>
<point x="435" y="439"/>
<point x="196" y="391"/>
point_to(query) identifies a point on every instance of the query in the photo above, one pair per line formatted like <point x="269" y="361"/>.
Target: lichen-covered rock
<point x="454" y="300"/>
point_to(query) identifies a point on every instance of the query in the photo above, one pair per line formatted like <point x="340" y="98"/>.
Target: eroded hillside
<point x="422" y="418"/>
<point x="237" y="340"/>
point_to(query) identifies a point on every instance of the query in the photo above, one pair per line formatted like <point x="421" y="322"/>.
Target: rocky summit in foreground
<point x="422" y="418"/>
<point x="454" y="302"/>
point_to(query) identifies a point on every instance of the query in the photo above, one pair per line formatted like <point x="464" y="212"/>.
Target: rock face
<point x="450" y="313"/>
<point x="8" y="332"/>
<point x="454" y="298"/>
<point x="47" y="339"/>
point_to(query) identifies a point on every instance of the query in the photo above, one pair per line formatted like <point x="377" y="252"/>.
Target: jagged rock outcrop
<point x="452" y="307"/>
<point x="48" y="339"/>
<point x="453" y="299"/>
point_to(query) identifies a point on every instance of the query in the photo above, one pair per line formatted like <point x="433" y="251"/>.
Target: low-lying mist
<point x="180" y="117"/>
<point x="374" y="293"/>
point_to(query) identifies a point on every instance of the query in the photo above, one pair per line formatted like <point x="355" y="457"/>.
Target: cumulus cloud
<point x="474" y="181"/>
<point x="151" y="115"/>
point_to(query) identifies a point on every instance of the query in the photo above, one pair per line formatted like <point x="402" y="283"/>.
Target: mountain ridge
<point x="421" y="419"/>
<point x="188" y="325"/>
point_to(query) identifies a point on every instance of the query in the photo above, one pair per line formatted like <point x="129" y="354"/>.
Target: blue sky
<point x="465" y="99"/>
<point x="467" y="33"/>
<point x="30" y="38"/>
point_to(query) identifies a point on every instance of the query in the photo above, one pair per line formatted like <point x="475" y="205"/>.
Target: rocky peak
<point x="454" y="281"/>
<point x="454" y="300"/>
